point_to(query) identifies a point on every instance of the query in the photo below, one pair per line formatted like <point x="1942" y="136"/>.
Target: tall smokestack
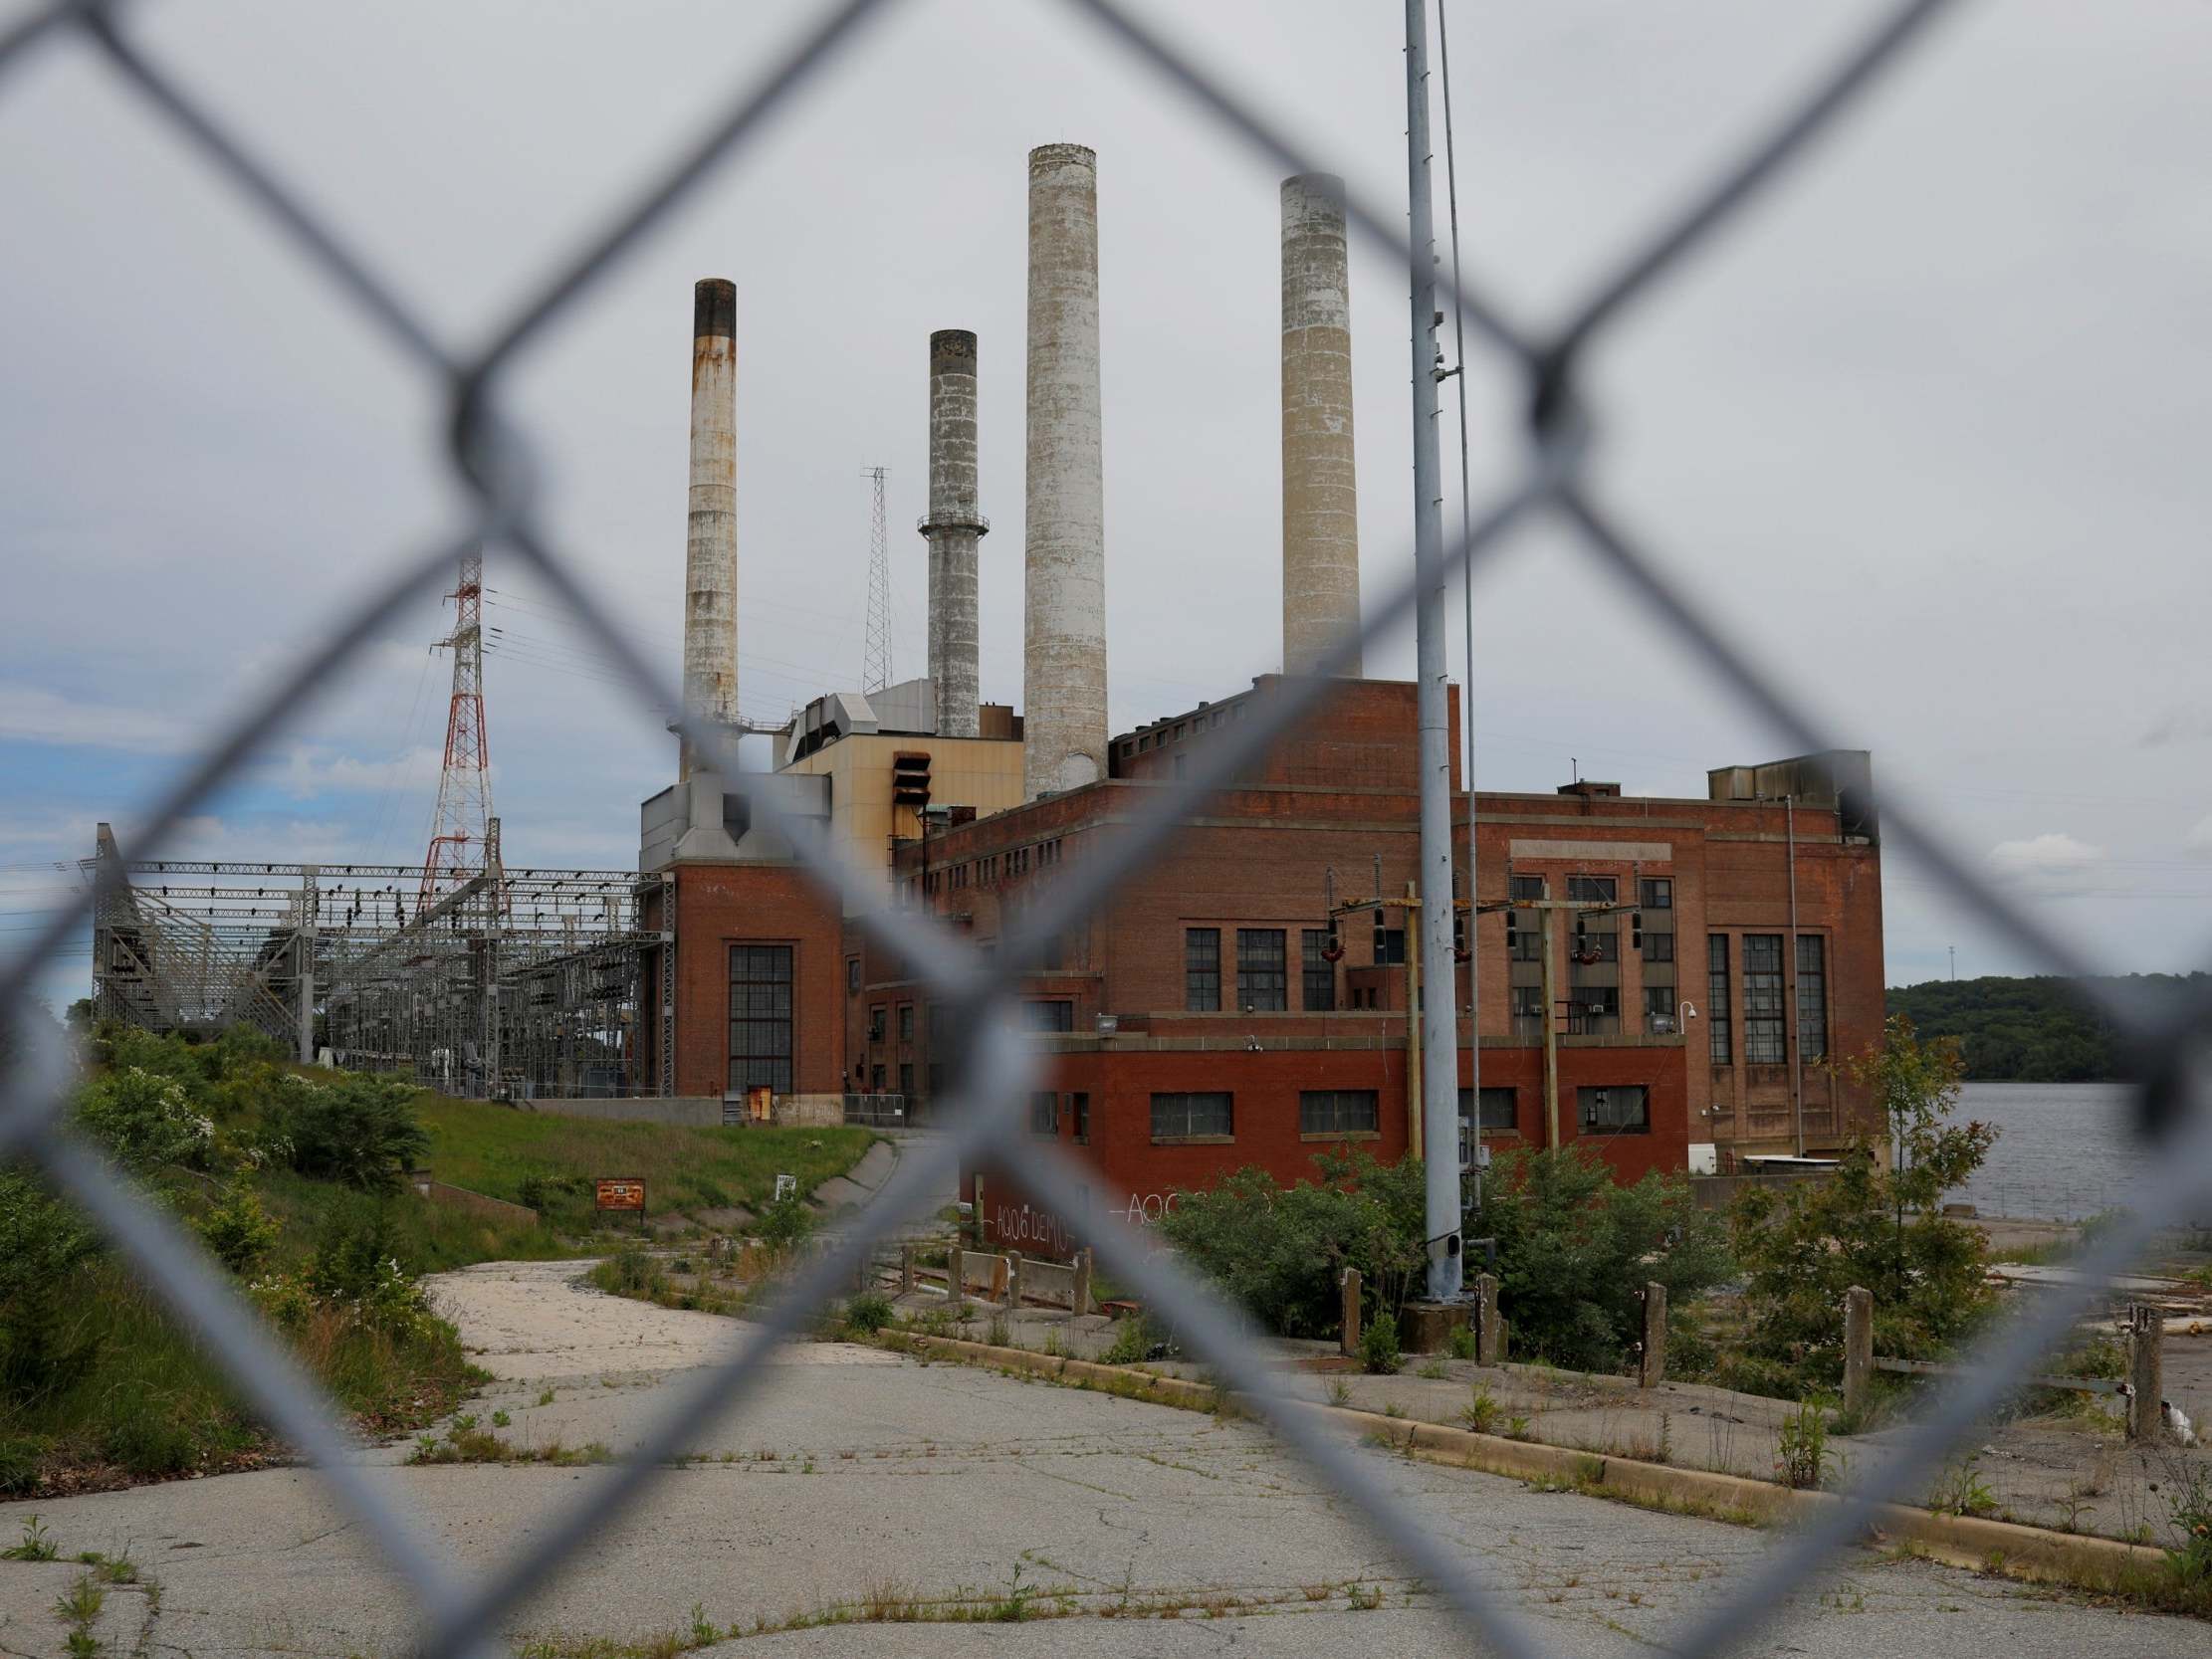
<point x="1320" y="498"/>
<point x="954" y="527"/>
<point x="710" y="555"/>
<point x="1064" y="532"/>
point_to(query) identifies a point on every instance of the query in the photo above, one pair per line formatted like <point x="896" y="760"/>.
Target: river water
<point x="2065" y="1151"/>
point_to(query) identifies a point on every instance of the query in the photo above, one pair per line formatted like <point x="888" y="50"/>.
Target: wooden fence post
<point x="1350" y="1286"/>
<point x="906" y="1269"/>
<point x="1013" y="1280"/>
<point x="1652" y="1371"/>
<point x="1489" y="1347"/>
<point x="1858" y="1348"/>
<point x="2146" y="1374"/>
<point x="1081" y="1300"/>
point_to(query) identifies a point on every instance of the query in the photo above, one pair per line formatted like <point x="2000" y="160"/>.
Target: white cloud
<point x="2054" y="865"/>
<point x="2199" y="840"/>
<point x="31" y="715"/>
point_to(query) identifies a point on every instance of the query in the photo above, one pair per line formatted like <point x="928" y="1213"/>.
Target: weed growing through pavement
<point x="79" y="1609"/>
<point x="499" y="1419"/>
<point x="464" y="1442"/>
<point x="998" y="1336"/>
<point x="1339" y="1391"/>
<point x="1961" y="1490"/>
<point x="38" y="1544"/>
<point x="546" y="1398"/>
<point x="1801" y="1456"/>
<point x="1462" y="1341"/>
<point x="1481" y="1413"/>
<point x="1433" y="1371"/>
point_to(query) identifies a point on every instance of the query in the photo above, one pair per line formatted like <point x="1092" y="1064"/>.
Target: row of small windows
<point x="1191" y="726"/>
<point x="1608" y="1108"/>
<point x="991" y="870"/>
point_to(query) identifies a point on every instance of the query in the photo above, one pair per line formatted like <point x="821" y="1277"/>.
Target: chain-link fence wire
<point x="991" y="1067"/>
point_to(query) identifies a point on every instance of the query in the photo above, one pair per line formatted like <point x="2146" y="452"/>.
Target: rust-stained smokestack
<point x="952" y="528"/>
<point x="1064" y="533"/>
<point x="1320" y="499"/>
<point x="711" y="555"/>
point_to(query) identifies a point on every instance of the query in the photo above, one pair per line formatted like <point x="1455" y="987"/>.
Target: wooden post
<point x="906" y="1269"/>
<point x="1653" y="1370"/>
<point x="1858" y="1348"/>
<point x="1489" y="1349"/>
<point x="2146" y="1374"/>
<point x="1080" y="1301"/>
<point x="1350" y="1285"/>
<point x="956" y="1267"/>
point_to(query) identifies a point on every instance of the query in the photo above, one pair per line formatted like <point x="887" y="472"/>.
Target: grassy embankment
<point x="292" y="1179"/>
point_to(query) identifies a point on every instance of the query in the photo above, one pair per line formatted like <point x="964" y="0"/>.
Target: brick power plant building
<point x="1222" y="1007"/>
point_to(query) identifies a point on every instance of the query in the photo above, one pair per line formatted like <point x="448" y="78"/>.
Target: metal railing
<point x="988" y="1080"/>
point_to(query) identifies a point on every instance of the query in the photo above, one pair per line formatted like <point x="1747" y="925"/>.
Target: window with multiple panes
<point x="905" y="1079"/>
<point x="1079" y="1108"/>
<point x="1320" y="973"/>
<point x="1500" y="1106"/>
<point x="1720" y="1040"/>
<point x="1764" y="1040"/>
<point x="1528" y="1010"/>
<point x="852" y="975"/>
<point x="875" y="1022"/>
<point x="876" y="1084"/>
<point x="1390" y="947"/>
<point x="1177" y="1115"/>
<point x="1337" y="1112"/>
<point x="1202" y="970"/>
<point x="1812" y="997"/>
<point x="1657" y="946"/>
<point x="1263" y="979"/>
<point x="1656" y="893"/>
<point x="1044" y="1113"/>
<point x="1615" y="1108"/>
<point x="906" y="1022"/>
<point x="1660" y="1010"/>
<point x="1591" y="890"/>
<point x="1057" y="1014"/>
<point x="1597" y="1010"/>
<point x="1528" y="926"/>
<point x="761" y="1017"/>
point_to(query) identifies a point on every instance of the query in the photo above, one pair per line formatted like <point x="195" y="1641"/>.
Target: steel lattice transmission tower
<point x="462" y="829"/>
<point x="875" y="665"/>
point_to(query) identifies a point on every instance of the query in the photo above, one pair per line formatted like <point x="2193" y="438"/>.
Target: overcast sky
<point x="1926" y="429"/>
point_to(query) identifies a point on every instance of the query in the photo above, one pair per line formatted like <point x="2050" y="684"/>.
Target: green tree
<point x="1575" y="1247"/>
<point x="362" y="1131"/>
<point x="1878" y="1221"/>
<point x="1281" y="1251"/>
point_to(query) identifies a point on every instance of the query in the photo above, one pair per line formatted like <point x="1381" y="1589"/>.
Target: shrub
<point x="1378" y="1351"/>
<point x="1281" y="1251"/>
<point x="1804" y="1246"/>
<point x="238" y="1232"/>
<point x="356" y="1130"/>
<point x="631" y="1271"/>
<point x="1575" y="1247"/>
<point x="783" y="1223"/>
<point x="1802" y="1457"/>
<point x="1133" y="1341"/>
<point x="144" y="1121"/>
<point x="42" y="1240"/>
<point x="868" y="1312"/>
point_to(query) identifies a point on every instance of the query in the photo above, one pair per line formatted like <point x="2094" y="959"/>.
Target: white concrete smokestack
<point x="1320" y="499"/>
<point x="710" y="555"/>
<point x="1064" y="529"/>
<point x="954" y="527"/>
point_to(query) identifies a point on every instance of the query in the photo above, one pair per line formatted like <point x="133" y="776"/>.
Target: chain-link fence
<point x="988" y="1083"/>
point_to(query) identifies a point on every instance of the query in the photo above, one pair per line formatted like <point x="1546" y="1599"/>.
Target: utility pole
<point x="457" y="828"/>
<point x="1440" y="1022"/>
<point x="875" y="656"/>
<point x="1953" y="949"/>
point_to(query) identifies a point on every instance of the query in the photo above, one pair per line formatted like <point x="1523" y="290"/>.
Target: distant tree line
<point x="2036" y="1030"/>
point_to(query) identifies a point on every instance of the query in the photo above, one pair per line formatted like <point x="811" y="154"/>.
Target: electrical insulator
<point x="1460" y="935"/>
<point x="1512" y="928"/>
<point x="1380" y="930"/>
<point x="1636" y="929"/>
<point x="1579" y="929"/>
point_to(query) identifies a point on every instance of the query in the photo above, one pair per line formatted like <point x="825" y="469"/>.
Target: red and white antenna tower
<point x="460" y="830"/>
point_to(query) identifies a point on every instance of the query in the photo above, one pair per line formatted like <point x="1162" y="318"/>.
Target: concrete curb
<point x="2006" y="1547"/>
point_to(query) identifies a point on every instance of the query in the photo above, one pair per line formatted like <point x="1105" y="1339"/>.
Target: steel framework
<point x="513" y="983"/>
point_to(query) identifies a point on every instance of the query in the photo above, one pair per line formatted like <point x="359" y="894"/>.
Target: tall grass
<point x="549" y="1163"/>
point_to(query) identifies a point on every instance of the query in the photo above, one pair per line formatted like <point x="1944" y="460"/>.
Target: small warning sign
<point x="620" y="1193"/>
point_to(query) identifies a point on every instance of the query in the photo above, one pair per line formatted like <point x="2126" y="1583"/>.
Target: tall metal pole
<point x="1439" y="1021"/>
<point x="1551" y="1041"/>
<point x="1796" y="1046"/>
<point x="1466" y="591"/>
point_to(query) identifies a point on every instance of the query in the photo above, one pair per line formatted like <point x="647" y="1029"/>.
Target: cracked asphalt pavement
<point x="848" y="1475"/>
